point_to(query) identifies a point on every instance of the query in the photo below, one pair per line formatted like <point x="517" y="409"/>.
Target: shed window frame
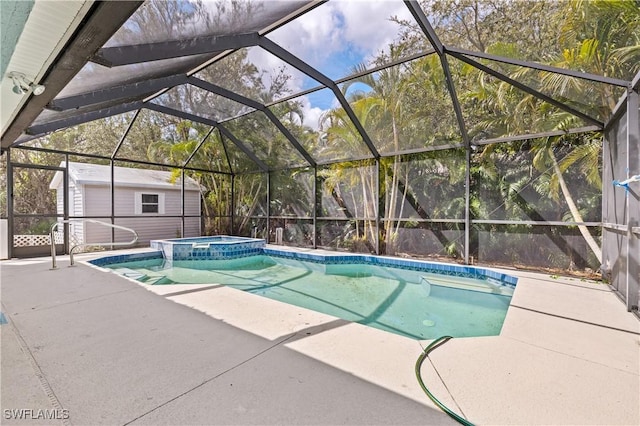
<point x="141" y="205"/>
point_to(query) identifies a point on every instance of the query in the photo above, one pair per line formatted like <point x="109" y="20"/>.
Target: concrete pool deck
<point x="113" y="351"/>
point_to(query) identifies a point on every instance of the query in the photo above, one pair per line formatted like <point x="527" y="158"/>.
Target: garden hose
<point x="439" y="341"/>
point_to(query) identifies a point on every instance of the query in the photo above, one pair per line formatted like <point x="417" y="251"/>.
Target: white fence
<point x="36" y="240"/>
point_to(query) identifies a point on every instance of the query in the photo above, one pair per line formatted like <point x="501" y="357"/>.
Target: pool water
<point x="415" y="304"/>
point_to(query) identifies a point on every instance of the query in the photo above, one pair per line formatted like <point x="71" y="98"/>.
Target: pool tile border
<point x="409" y="264"/>
<point x="326" y="259"/>
<point x="108" y="260"/>
<point x="213" y="248"/>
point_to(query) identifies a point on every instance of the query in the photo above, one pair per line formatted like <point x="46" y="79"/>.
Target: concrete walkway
<point x="106" y="350"/>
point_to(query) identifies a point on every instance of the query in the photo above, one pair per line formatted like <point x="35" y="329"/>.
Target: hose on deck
<point x="436" y="343"/>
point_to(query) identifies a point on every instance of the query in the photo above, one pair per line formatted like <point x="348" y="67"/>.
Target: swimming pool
<point x="415" y="299"/>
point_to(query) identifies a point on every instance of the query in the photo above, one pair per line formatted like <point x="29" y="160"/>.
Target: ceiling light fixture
<point x="22" y="85"/>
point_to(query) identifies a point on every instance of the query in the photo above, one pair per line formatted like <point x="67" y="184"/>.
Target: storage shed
<point x="147" y="201"/>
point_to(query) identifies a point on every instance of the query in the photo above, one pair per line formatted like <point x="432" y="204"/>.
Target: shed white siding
<point x="60" y="201"/>
<point x="97" y="200"/>
<point x="90" y="196"/>
<point x="76" y="208"/>
<point x="148" y="226"/>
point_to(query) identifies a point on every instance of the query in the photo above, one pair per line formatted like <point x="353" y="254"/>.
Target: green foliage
<point x="406" y="109"/>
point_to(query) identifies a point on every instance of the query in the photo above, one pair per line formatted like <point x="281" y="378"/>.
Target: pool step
<point x="130" y="273"/>
<point x="152" y="278"/>
<point x="483" y="287"/>
<point x="148" y="278"/>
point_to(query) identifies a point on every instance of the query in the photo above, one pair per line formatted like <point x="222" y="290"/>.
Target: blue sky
<point x="334" y="37"/>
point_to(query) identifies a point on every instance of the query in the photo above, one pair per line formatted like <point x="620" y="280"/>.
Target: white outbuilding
<point x="147" y="201"/>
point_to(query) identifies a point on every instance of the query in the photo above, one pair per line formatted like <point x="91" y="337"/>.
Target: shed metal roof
<point x="97" y="174"/>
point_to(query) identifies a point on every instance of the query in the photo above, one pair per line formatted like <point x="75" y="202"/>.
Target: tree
<point x="478" y="24"/>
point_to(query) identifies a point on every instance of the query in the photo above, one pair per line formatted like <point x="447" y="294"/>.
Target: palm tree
<point x="515" y="112"/>
<point x="601" y="37"/>
<point x="381" y="111"/>
<point x="344" y="140"/>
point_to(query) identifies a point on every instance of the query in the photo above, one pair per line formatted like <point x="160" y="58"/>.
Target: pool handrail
<point x="53" y="243"/>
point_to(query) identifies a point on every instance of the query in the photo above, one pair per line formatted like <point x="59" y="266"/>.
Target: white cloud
<point x="312" y="117"/>
<point x="314" y="36"/>
<point x="329" y="37"/>
<point x="339" y="25"/>
<point x="368" y="26"/>
<point x="271" y="65"/>
<point x="311" y="114"/>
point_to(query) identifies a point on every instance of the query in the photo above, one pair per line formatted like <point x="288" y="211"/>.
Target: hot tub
<point x="208" y="248"/>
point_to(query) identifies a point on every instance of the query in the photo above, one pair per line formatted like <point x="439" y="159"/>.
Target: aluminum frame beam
<point x="425" y="26"/>
<point x="540" y="67"/>
<point x="10" y="203"/>
<point x="119" y="159"/>
<point x="467" y="206"/>
<point x="622" y="102"/>
<point x="307" y="69"/>
<point x="430" y="33"/>
<point x="528" y="89"/>
<point x="287" y="134"/>
<point x="505" y="139"/>
<point x="618" y="110"/>
<point x="387" y="65"/>
<point x="127" y="90"/>
<point x="59" y="151"/>
<point x="635" y="83"/>
<point x="180" y="114"/>
<point x="352" y="76"/>
<point x="633" y="201"/>
<point x="213" y="123"/>
<point x="214" y="88"/>
<point x="83" y="118"/>
<point x="124" y="135"/>
<point x="226" y="152"/>
<point x="139" y="53"/>
<point x="151" y="163"/>
<point x="104" y="20"/>
<point x="205" y="85"/>
<point x="24" y="139"/>
<point x="423" y="150"/>
<point x="147" y="52"/>
<point x="197" y="147"/>
<point x="457" y="108"/>
<point x="226" y="133"/>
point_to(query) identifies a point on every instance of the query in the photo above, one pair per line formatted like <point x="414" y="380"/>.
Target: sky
<point x="332" y="38"/>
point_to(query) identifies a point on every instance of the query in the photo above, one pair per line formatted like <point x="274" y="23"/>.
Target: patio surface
<point x="112" y="351"/>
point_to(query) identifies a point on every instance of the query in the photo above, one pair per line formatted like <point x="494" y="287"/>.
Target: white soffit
<point x="50" y="25"/>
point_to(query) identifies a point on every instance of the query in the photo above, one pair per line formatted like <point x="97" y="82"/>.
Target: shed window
<point x="149" y="203"/>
